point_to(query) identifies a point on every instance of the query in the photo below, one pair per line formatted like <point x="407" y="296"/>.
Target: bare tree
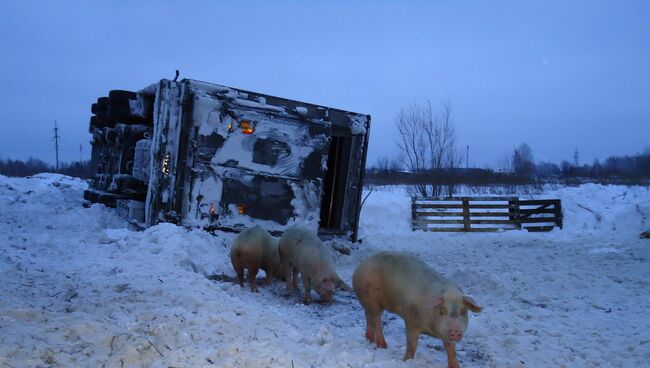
<point x="411" y="124"/>
<point x="522" y="161"/>
<point x="446" y="156"/>
<point x="387" y="168"/>
<point x="427" y="143"/>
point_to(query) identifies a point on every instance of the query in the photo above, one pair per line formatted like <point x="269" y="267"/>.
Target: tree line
<point x="32" y="166"/>
<point x="520" y="170"/>
<point x="429" y="161"/>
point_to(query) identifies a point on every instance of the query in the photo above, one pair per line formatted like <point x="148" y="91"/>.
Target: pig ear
<point x="471" y="304"/>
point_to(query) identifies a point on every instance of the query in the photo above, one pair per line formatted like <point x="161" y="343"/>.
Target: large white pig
<point x="429" y="303"/>
<point x="253" y="249"/>
<point x="302" y="252"/>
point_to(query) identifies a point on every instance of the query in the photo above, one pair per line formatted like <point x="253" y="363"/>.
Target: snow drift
<point x="78" y="288"/>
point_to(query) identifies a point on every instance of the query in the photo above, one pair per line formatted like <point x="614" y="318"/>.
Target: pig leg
<point x="374" y="331"/>
<point x="286" y="266"/>
<point x="295" y="278"/>
<point x="240" y="276"/>
<point x="252" y="273"/>
<point x="287" y="275"/>
<point x="306" y="283"/>
<point x="239" y="269"/>
<point x="372" y="309"/>
<point x="412" y="339"/>
<point x="452" y="362"/>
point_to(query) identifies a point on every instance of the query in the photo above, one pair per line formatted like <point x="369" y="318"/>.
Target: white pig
<point x="301" y="251"/>
<point x="253" y="249"/>
<point x="408" y="287"/>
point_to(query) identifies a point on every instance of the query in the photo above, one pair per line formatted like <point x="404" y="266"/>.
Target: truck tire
<point x="102" y="120"/>
<point x="120" y="97"/>
<point x="97" y="108"/>
<point x="122" y="114"/>
<point x="94" y="123"/>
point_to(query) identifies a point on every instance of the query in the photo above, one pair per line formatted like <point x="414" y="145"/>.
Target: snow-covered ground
<point x="79" y="289"/>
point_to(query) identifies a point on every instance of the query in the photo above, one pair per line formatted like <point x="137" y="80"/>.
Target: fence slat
<point x="538" y="202"/>
<point x="532" y="211"/>
<point x="495" y="222"/>
<point x="439" y="205"/>
<point x="489" y="214"/>
<point x="440" y="214"/>
<point x="534" y="229"/>
<point x="481" y="205"/>
<point x="460" y="214"/>
<point x="505" y="199"/>
<point x="532" y="220"/>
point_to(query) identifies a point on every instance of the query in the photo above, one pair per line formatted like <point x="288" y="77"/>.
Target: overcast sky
<point x="554" y="74"/>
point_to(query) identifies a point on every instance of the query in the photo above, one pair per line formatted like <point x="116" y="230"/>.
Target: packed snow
<point x="78" y="288"/>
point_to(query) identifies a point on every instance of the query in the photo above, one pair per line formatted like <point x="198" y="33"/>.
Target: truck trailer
<point x="199" y="154"/>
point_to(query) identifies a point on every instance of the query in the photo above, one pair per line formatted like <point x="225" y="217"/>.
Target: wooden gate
<point x="483" y="214"/>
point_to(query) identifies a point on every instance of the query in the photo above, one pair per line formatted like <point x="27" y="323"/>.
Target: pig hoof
<point x="370" y="337"/>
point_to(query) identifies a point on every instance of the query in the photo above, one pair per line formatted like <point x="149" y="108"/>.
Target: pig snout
<point x="455" y="333"/>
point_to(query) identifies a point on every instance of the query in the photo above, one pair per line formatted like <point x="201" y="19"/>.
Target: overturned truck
<point x="200" y="154"/>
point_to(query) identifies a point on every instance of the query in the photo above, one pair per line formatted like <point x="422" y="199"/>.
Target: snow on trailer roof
<point x="353" y="120"/>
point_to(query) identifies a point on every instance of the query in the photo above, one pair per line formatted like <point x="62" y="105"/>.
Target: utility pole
<point x="467" y="159"/>
<point x="81" y="149"/>
<point x="56" y="144"/>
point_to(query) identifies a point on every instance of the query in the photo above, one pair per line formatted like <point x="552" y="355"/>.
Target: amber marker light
<point x="246" y="127"/>
<point x="241" y="209"/>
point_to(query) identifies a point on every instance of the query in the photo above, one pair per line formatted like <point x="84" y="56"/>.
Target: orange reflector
<point x="246" y="127"/>
<point x="212" y="212"/>
<point x="241" y="209"/>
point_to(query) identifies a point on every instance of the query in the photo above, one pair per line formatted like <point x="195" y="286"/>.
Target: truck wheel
<point x="102" y="120"/>
<point x="97" y="108"/>
<point x="94" y="123"/>
<point x="122" y="114"/>
<point x="120" y="97"/>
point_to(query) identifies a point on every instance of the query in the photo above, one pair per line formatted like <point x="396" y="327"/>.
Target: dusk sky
<point x="554" y="74"/>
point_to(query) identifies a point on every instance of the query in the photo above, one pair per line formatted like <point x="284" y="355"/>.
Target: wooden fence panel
<point x="484" y="214"/>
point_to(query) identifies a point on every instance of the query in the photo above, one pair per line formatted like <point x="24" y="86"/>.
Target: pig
<point x="302" y="252"/>
<point x="408" y="287"/>
<point x="253" y="249"/>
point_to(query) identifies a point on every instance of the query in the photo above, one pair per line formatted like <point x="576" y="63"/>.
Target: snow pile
<point x="78" y="288"/>
<point x="358" y="126"/>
